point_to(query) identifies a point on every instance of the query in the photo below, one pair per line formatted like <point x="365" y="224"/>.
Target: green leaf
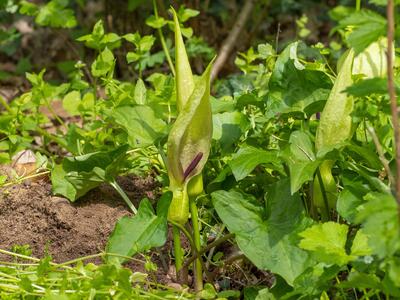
<point x="187" y="13"/>
<point x="360" y="245"/>
<point x="368" y="28"/>
<point x="99" y="40"/>
<point x="71" y="103"/>
<point x="140" y="92"/>
<point x="315" y="280"/>
<point x="247" y="158"/>
<point x="140" y="123"/>
<point x="103" y="64"/>
<point x="156" y="23"/>
<point x="327" y="242"/>
<point x="350" y="198"/>
<point x="55" y="14"/>
<point x="294" y="89"/>
<point x="132" y="57"/>
<point x="379" y="220"/>
<point x="368" y="87"/>
<point x="267" y="238"/>
<point x="80" y="174"/>
<point x="61" y="186"/>
<point x="140" y="232"/>
<point x="361" y="281"/>
<point x="228" y="127"/>
<point x="28" y="8"/>
<point x="301" y="160"/>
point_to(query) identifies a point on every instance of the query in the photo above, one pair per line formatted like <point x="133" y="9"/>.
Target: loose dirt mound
<point x="30" y="214"/>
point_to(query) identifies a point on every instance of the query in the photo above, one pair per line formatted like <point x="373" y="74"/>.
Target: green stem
<point x="323" y="192"/>
<point x="51" y="110"/>
<point x="124" y="196"/>
<point x="177" y="249"/>
<point x="162" y="40"/>
<point x="358" y="5"/>
<point x="198" y="271"/>
<point x="5" y="104"/>
<point x="21" y="179"/>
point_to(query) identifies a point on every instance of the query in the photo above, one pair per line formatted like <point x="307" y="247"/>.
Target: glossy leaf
<point x="140" y="123"/>
<point x="78" y="175"/>
<point x="247" y="158"/>
<point x="142" y="231"/>
<point x="293" y="89"/>
<point x="267" y="237"/>
<point x="301" y="159"/>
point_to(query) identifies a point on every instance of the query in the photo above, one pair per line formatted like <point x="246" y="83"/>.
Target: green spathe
<point x="190" y="135"/>
<point x="189" y="140"/>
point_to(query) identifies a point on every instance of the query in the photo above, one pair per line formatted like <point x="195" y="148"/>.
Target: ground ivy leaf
<point x="368" y="87"/>
<point x="361" y="281"/>
<point x="267" y="244"/>
<point x="360" y="245"/>
<point x="140" y="232"/>
<point x="327" y="242"/>
<point x="247" y="158"/>
<point x="367" y="25"/>
<point x="379" y="220"/>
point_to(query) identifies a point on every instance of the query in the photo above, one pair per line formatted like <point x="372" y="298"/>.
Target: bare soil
<point x="31" y="215"/>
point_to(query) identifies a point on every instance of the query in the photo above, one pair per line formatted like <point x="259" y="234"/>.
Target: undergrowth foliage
<point x="292" y="161"/>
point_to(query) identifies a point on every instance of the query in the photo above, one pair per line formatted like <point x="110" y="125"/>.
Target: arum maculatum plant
<point x="188" y="148"/>
<point x="335" y="126"/>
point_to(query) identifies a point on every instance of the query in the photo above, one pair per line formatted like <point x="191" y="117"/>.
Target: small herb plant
<point x="291" y="164"/>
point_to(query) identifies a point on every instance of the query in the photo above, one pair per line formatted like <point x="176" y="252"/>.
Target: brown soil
<point x="30" y="214"/>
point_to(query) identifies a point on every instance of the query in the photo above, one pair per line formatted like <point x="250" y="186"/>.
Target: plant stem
<point x="162" y="40"/>
<point x="209" y="247"/>
<point x="177" y="250"/>
<point x="124" y="196"/>
<point x="211" y="253"/>
<point x="323" y="192"/>
<point x="381" y="155"/>
<point x="198" y="270"/>
<point x="392" y="95"/>
<point x="22" y="179"/>
<point x="358" y="5"/>
<point x="5" y="104"/>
